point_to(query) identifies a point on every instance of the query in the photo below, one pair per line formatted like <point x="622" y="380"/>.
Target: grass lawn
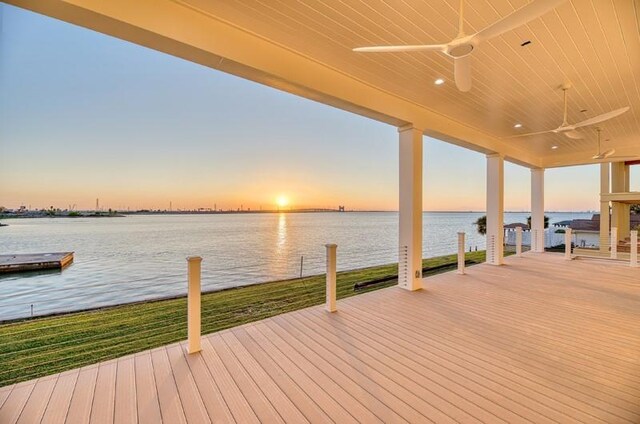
<point x="36" y="347"/>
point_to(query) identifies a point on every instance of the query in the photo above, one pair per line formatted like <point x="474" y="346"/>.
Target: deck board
<point x="239" y="406"/>
<point x="83" y="394"/>
<point x="146" y="390"/>
<point x="103" y="408"/>
<point x="171" y="407"/>
<point x="58" y="406"/>
<point x="125" y="408"/>
<point x="192" y="404"/>
<point x="286" y="408"/>
<point x="38" y="400"/>
<point x="15" y="403"/>
<point x="264" y="349"/>
<point x="540" y="339"/>
<point x="214" y="403"/>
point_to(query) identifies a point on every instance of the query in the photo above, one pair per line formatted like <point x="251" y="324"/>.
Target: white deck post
<point x="461" y="252"/>
<point x="614" y="243"/>
<point x="193" y="304"/>
<point x="410" y="241"/>
<point x="330" y="304"/>
<point x="537" y="210"/>
<point x="495" y="209"/>
<point x="633" y="255"/>
<point x="518" y="241"/>
<point x="567" y="244"/>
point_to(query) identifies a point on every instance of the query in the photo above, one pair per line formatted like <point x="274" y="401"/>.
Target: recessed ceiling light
<point x="439" y="81"/>
<point x="517" y="126"/>
<point x="554" y="147"/>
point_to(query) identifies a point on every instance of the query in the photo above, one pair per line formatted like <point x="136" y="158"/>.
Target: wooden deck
<point x="538" y="340"/>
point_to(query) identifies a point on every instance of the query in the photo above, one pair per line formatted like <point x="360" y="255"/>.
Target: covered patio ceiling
<point x="305" y="47"/>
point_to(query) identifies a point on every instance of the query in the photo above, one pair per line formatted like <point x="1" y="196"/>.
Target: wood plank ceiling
<point x="593" y="44"/>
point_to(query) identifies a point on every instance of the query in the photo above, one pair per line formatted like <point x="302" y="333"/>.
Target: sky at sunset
<point x="83" y="115"/>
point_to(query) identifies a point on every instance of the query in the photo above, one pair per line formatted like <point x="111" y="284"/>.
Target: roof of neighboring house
<point x="516" y="225"/>
<point x="585" y="224"/>
<point x="592" y="224"/>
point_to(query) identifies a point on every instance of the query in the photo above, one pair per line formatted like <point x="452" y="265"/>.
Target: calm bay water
<point x="119" y="260"/>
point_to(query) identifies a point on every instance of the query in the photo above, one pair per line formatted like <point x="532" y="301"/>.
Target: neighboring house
<point x="586" y="232"/>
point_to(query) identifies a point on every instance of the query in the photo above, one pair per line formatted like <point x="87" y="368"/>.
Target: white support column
<point x="461" y="253"/>
<point x="519" y="241"/>
<point x="620" y="212"/>
<point x="604" y="207"/>
<point x="633" y="255"/>
<point x="537" y="210"/>
<point x="495" y="209"/>
<point x="614" y="243"/>
<point x="330" y="304"/>
<point x="410" y="243"/>
<point x="567" y="244"/>
<point x="193" y="303"/>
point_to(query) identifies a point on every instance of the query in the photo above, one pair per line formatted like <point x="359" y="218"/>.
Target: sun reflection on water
<point x="282" y="233"/>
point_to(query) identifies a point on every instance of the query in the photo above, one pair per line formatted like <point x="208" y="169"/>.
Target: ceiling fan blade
<point x="527" y="13"/>
<point x="409" y="48"/>
<point x="574" y="135"/>
<point x="618" y="159"/>
<point x="604" y="154"/>
<point x="529" y="134"/>
<point x="602" y="118"/>
<point x="462" y="73"/>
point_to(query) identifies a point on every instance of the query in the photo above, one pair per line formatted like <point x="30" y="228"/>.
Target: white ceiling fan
<point x="463" y="45"/>
<point x="601" y="154"/>
<point x="569" y="130"/>
<point x="607" y="155"/>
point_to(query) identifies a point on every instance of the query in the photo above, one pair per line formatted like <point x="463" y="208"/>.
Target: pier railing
<point x="35" y="347"/>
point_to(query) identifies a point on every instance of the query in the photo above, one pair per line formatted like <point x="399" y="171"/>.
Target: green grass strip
<point x="41" y="346"/>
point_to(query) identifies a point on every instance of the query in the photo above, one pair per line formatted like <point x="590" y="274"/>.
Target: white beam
<point x="537" y="210"/>
<point x="495" y="209"/>
<point x="410" y="243"/>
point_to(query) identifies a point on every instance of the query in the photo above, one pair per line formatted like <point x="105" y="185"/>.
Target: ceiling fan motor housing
<point x="460" y="50"/>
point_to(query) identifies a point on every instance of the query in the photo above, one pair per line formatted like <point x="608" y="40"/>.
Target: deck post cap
<point x="194" y="259"/>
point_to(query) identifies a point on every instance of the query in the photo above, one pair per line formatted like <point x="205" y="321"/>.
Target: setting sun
<point x="282" y="201"/>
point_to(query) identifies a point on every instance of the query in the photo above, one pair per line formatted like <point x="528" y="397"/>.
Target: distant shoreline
<point x="91" y="214"/>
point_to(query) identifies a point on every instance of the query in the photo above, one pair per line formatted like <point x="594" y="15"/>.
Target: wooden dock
<point x="34" y="261"/>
